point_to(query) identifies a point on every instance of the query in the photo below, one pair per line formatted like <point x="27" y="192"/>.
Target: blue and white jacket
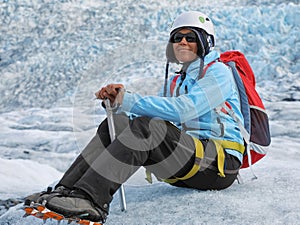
<point x="195" y="106"/>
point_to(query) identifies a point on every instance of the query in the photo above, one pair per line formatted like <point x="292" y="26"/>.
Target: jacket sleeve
<point x="204" y="95"/>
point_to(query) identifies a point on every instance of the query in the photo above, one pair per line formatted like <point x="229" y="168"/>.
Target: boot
<point x="39" y="197"/>
<point x="76" y="204"/>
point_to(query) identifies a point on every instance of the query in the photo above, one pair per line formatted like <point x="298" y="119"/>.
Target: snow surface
<point x="56" y="54"/>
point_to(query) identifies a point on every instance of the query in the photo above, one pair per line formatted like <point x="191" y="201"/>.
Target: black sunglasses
<point x="189" y="37"/>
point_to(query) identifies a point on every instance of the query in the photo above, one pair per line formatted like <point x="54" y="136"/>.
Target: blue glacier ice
<point x="48" y="47"/>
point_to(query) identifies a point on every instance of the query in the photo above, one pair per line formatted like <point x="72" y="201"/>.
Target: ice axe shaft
<point x="112" y="134"/>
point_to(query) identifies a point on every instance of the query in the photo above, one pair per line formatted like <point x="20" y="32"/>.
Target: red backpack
<point x="256" y="121"/>
<point x="255" y="128"/>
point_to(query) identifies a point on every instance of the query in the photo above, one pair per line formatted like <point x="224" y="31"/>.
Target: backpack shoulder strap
<point x="206" y="68"/>
<point x="173" y="84"/>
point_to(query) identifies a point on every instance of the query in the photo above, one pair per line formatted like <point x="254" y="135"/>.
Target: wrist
<point x="119" y="99"/>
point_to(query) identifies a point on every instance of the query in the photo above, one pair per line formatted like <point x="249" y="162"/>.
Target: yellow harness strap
<point x="232" y="145"/>
<point x="220" y="146"/>
<point x="220" y="158"/>
<point x="199" y="154"/>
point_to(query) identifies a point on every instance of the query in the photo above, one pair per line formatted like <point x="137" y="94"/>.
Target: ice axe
<point x="112" y="134"/>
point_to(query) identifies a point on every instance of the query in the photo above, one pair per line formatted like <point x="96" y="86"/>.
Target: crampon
<point x="40" y="211"/>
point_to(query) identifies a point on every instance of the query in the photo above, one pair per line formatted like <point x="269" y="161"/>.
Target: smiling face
<point x="185" y="45"/>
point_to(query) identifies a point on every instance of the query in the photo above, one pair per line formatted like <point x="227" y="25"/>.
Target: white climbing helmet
<point x="198" y="23"/>
<point x="194" y="19"/>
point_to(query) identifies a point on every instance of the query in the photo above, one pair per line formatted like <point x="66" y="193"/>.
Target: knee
<point x="140" y="126"/>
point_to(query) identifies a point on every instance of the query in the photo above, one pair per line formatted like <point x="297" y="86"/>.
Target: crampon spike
<point x="42" y="212"/>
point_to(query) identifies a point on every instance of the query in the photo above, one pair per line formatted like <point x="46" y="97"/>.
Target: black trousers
<point x="155" y="144"/>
